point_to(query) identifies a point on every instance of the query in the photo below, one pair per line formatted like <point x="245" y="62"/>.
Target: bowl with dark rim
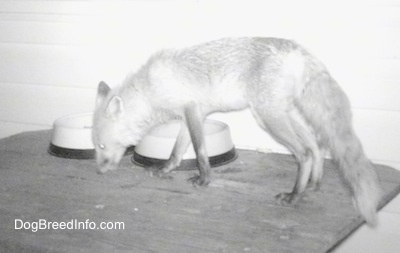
<point x="72" y="137"/>
<point x="155" y="147"/>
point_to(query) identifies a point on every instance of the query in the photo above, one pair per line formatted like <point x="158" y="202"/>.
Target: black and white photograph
<point x="201" y="126"/>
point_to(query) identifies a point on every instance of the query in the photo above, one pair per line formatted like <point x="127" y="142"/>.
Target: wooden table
<point x="236" y="213"/>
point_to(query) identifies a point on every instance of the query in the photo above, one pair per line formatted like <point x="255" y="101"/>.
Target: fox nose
<point x="104" y="162"/>
<point x="103" y="166"/>
<point x="100" y="172"/>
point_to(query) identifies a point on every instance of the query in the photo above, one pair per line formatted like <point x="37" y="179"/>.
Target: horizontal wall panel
<point x="60" y="7"/>
<point x="361" y="31"/>
<point x="48" y="65"/>
<point x="379" y="133"/>
<point x="36" y="104"/>
<point x="79" y="32"/>
<point x="369" y="83"/>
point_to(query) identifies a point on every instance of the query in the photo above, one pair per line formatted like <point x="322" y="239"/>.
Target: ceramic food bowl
<point x="72" y="137"/>
<point x="156" y="147"/>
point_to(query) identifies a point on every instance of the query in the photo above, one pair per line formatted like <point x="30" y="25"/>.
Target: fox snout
<point x="106" y="164"/>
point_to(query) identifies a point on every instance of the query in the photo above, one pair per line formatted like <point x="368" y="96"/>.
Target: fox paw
<point x="287" y="198"/>
<point x="314" y="186"/>
<point x="199" y="180"/>
<point x="158" y="171"/>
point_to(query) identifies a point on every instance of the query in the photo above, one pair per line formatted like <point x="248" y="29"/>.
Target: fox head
<point x="116" y="127"/>
<point x="107" y="126"/>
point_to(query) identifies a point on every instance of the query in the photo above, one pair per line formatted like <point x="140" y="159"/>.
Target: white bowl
<point x="157" y="145"/>
<point x="73" y="131"/>
<point x="72" y="137"/>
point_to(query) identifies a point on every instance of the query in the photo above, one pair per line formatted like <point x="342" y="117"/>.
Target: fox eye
<point x="101" y="146"/>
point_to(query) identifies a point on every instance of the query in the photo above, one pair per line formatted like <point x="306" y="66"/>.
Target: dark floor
<point x="236" y="213"/>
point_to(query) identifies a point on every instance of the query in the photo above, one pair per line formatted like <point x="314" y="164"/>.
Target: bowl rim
<point x="186" y="164"/>
<point x="223" y="126"/>
<point x="159" y="144"/>
<point x="59" y="122"/>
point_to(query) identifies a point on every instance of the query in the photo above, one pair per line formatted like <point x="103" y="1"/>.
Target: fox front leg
<point x="195" y="120"/>
<point x="180" y="147"/>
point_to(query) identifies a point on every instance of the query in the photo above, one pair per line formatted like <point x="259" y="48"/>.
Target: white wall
<point x="53" y="54"/>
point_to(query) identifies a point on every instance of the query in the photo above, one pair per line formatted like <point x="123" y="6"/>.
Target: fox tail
<point x="327" y="109"/>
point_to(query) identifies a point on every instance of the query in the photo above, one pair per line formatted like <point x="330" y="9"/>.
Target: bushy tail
<point x="327" y="109"/>
<point x="359" y="172"/>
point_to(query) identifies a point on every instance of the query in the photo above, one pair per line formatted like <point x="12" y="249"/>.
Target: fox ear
<point x="102" y="92"/>
<point x="115" y="108"/>
<point x="103" y="89"/>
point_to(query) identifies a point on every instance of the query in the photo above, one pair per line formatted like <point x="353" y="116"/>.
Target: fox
<point x="290" y="93"/>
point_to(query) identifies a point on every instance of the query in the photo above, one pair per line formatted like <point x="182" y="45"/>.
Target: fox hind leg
<point x="288" y="128"/>
<point x="317" y="170"/>
<point x="309" y="139"/>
